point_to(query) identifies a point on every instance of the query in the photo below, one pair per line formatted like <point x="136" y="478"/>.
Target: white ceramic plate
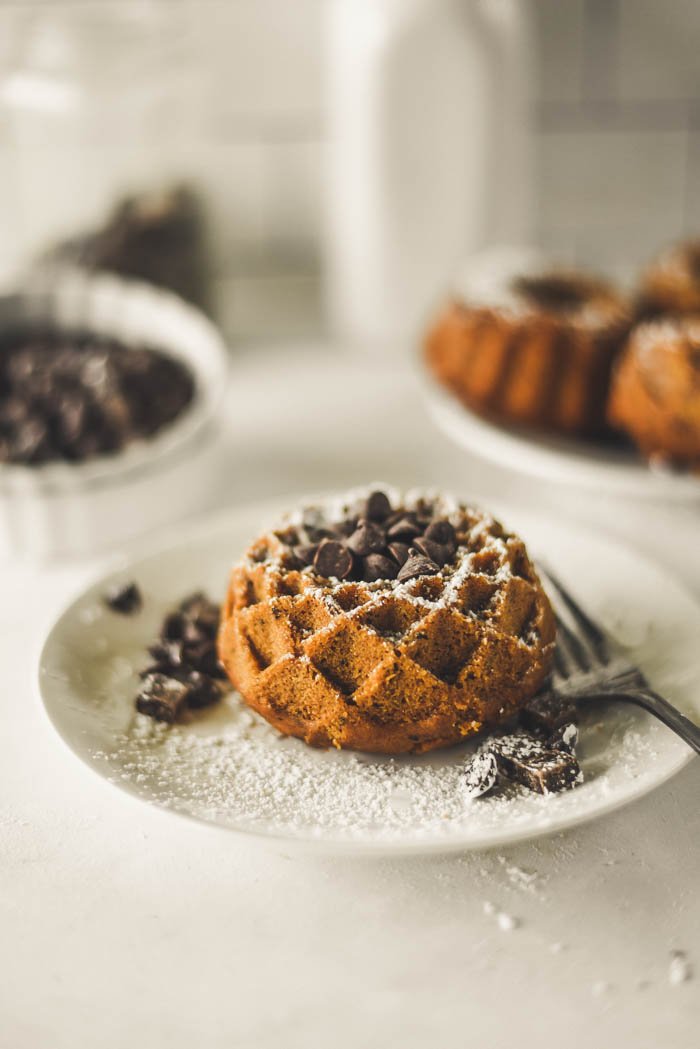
<point x="566" y="460"/>
<point x="228" y="767"/>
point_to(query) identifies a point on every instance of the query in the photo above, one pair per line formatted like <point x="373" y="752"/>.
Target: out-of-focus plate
<point x="618" y="470"/>
<point x="229" y="768"/>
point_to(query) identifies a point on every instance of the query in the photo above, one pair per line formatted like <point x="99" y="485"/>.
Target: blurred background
<point x="234" y="98"/>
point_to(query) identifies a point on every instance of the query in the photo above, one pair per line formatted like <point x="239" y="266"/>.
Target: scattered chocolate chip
<point x="202" y="656"/>
<point x="399" y="551"/>
<point x="377" y="506"/>
<point x="167" y="653"/>
<point x="564" y="738"/>
<point x="548" y="712"/>
<point x="405" y="528"/>
<point x="527" y="760"/>
<point x="186" y="672"/>
<point x="201" y="691"/>
<point x="161" y="697"/>
<point x="417" y="565"/>
<point x="203" y="613"/>
<point x="125" y="599"/>
<point x="368" y="538"/>
<point x="481" y="774"/>
<point x="174" y="626"/>
<point x="333" y="559"/>
<point x="441" y="532"/>
<point x="376" y="566"/>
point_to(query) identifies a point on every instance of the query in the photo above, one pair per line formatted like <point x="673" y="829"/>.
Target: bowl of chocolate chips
<point x="109" y="399"/>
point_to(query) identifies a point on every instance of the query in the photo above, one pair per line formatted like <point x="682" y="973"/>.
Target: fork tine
<point x="590" y="630"/>
<point x="572" y="650"/>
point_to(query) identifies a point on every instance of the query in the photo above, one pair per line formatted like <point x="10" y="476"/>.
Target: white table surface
<point x="122" y="925"/>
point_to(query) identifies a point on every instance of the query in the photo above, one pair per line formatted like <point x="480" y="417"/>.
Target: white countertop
<point x="125" y="925"/>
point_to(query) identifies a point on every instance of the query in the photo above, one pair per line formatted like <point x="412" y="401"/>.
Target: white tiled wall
<point x="232" y="89"/>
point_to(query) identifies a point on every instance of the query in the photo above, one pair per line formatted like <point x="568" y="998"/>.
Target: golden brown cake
<point x="386" y="625"/>
<point x="530" y="346"/>
<point x="655" y="394"/>
<point x="672" y="283"/>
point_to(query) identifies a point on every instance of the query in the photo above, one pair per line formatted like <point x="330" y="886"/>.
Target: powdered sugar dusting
<point x="232" y="768"/>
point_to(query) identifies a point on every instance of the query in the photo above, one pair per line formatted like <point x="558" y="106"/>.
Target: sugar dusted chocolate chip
<point x="417" y="565"/>
<point x="202" y="613"/>
<point x="124" y="598"/>
<point x="441" y="532"/>
<point x="202" y="691"/>
<point x="405" y="528"/>
<point x="377" y="507"/>
<point x="333" y="560"/>
<point x="399" y="552"/>
<point x="547" y="712"/>
<point x="368" y="538"/>
<point x="435" y="551"/>
<point x="481" y="774"/>
<point x="167" y="653"/>
<point x="162" y="697"/>
<point x="532" y="763"/>
<point x="376" y="566"/>
<point x="564" y="738"/>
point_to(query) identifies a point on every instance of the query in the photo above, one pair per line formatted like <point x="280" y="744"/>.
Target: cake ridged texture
<point x="542" y="364"/>
<point x="389" y="667"/>
<point x="655" y="394"/>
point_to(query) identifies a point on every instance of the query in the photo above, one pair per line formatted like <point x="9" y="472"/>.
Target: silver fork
<point x="589" y="665"/>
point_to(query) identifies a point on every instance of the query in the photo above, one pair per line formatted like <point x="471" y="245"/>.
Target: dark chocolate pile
<point x="185" y="673"/>
<point x="378" y="542"/>
<point x="71" y="398"/>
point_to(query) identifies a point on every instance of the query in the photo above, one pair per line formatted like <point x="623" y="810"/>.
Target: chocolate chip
<point x="564" y="738"/>
<point x="202" y="613"/>
<point x="404" y="529"/>
<point x="441" y="532"/>
<point x="305" y="554"/>
<point x="201" y="655"/>
<point x="376" y="566"/>
<point x="174" y="626"/>
<point x="125" y="599"/>
<point x="399" y="551"/>
<point x="481" y="774"/>
<point x="333" y="559"/>
<point x="81" y="397"/>
<point x="417" y="565"/>
<point x="201" y="691"/>
<point x="435" y="551"/>
<point x="162" y="697"/>
<point x="548" y="712"/>
<point x="368" y="538"/>
<point x="167" y="653"/>
<point x="532" y="763"/>
<point x="377" y="507"/>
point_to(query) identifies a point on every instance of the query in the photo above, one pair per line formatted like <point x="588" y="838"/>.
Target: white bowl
<point x="77" y="508"/>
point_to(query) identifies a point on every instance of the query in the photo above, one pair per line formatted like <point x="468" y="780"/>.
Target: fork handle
<point x="664" y="711"/>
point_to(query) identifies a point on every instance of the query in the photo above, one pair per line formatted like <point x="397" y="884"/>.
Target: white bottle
<point x="428" y="154"/>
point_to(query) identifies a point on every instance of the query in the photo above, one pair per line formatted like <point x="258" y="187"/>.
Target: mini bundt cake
<point x="386" y="625"/>
<point x="529" y="345"/>
<point x="655" y="394"/>
<point x="671" y="284"/>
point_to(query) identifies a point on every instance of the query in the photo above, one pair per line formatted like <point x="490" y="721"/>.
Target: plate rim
<point x="546" y="461"/>
<point x="155" y="546"/>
